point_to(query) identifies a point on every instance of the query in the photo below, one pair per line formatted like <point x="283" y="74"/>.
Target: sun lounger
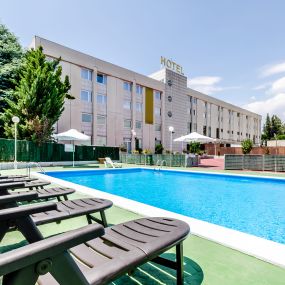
<point x="64" y="209"/>
<point x="20" y="179"/>
<point x="12" y="176"/>
<point x="109" y="163"/>
<point x="38" y="187"/>
<point x="98" y="257"/>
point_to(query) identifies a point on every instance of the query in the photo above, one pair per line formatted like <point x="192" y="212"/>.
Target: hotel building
<point x="118" y="106"/>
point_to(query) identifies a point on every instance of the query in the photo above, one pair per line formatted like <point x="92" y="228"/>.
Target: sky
<point x="232" y="50"/>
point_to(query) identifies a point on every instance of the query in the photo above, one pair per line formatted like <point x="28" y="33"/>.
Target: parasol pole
<point x="73" y="150"/>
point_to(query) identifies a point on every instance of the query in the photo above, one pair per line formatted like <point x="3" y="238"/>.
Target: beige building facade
<point x="116" y="106"/>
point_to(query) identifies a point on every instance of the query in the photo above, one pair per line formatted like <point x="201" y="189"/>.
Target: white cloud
<point x="261" y="87"/>
<point x="252" y="98"/>
<point x="274" y="105"/>
<point x="205" y="80"/>
<point x="273" y="69"/>
<point x="207" y="84"/>
<point x="278" y="86"/>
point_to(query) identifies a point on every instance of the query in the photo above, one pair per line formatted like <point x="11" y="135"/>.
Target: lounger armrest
<point x="47" y="248"/>
<point x="12" y="185"/>
<point x="23" y="211"/>
<point x="18" y="198"/>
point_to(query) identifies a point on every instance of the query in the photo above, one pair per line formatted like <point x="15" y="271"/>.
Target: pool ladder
<point x="31" y="164"/>
<point x="159" y="164"/>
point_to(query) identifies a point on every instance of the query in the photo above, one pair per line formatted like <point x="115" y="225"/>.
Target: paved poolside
<point x="220" y="265"/>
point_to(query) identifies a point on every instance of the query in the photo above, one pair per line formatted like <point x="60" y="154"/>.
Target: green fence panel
<point x="29" y="151"/>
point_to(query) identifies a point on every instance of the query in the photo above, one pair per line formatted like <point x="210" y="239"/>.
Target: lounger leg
<point x="26" y="276"/>
<point x="3" y="230"/>
<point x="89" y="219"/>
<point x="103" y="218"/>
<point x="65" y="197"/>
<point x="180" y="264"/>
<point x="102" y="222"/>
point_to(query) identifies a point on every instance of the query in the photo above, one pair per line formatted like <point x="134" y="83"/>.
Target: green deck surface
<point x="216" y="264"/>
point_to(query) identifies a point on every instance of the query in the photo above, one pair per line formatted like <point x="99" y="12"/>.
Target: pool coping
<point x="260" y="248"/>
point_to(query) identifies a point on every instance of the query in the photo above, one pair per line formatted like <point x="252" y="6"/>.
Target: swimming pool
<point x="247" y="204"/>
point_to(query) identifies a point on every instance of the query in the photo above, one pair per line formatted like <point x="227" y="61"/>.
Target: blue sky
<point x="232" y="50"/>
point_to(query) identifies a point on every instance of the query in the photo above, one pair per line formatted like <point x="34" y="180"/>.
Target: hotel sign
<point x="170" y="64"/>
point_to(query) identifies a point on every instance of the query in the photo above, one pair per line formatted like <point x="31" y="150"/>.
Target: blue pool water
<point x="248" y="204"/>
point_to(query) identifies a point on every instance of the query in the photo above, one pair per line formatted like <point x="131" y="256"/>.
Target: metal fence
<point x="255" y="162"/>
<point x="29" y="151"/>
<point x="154" y="159"/>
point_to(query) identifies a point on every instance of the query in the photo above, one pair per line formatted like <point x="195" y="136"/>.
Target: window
<point x="101" y="78"/>
<point x="127" y="86"/>
<point x="189" y="128"/>
<point x="138" y="124"/>
<point x="194" y="112"/>
<point x="209" y="131"/>
<point x="195" y="100"/>
<point x="86" y="118"/>
<point x="86" y="74"/>
<point x="127" y="104"/>
<point x="139" y="89"/>
<point x="157" y="95"/>
<point x="138" y="143"/>
<point x="217" y="133"/>
<point x="86" y="96"/>
<point x="157" y="111"/>
<point x="238" y="115"/>
<point x="101" y="120"/>
<point x="139" y="107"/>
<point x="101" y="141"/>
<point x="127" y="124"/>
<point x="157" y="127"/>
<point x="204" y="130"/>
<point x="101" y="99"/>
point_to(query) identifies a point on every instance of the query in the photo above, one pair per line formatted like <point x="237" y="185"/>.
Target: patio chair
<point x="109" y="163"/>
<point x="89" y="255"/>
<point x="38" y="187"/>
<point x="64" y="209"/>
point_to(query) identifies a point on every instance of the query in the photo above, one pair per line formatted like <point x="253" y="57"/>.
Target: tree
<point x="267" y="128"/>
<point x="276" y="123"/>
<point x="11" y="54"/>
<point x="38" y="98"/>
<point x="272" y="127"/>
<point x="246" y="146"/>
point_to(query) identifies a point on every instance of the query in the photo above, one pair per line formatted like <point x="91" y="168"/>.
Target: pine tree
<point x="267" y="128"/>
<point x="39" y="98"/>
<point x="276" y="124"/>
<point x="11" y="54"/>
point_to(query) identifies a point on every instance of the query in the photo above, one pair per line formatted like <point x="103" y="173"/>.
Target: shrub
<point x="123" y="148"/>
<point x="195" y="147"/>
<point x="159" y="149"/>
<point x="246" y="146"/>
